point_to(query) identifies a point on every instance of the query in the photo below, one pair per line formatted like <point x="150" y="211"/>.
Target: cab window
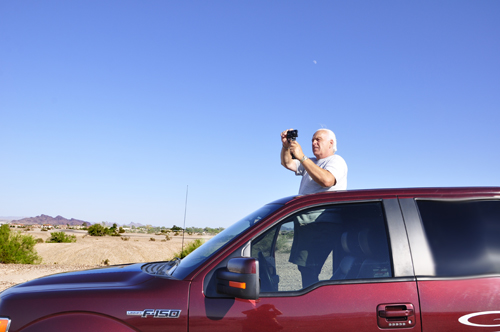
<point x="328" y="243"/>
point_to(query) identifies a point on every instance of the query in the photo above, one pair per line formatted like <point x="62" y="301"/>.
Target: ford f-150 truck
<point x="363" y="260"/>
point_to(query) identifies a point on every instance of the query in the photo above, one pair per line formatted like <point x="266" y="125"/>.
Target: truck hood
<point x="114" y="276"/>
<point x="109" y="292"/>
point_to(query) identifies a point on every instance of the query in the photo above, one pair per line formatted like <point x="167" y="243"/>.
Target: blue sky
<point x="110" y="109"/>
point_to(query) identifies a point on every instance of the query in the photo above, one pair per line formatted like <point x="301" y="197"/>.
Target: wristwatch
<point x="303" y="159"/>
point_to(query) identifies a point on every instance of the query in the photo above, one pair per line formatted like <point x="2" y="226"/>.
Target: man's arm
<point x="286" y="159"/>
<point x="321" y="176"/>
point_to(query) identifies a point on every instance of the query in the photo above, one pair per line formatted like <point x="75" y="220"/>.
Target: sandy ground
<point x="90" y="252"/>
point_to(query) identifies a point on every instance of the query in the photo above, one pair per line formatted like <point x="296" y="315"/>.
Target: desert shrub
<point x="125" y="238"/>
<point x="39" y="240"/>
<point x="105" y="262"/>
<point x="176" y="234"/>
<point x="98" y="230"/>
<point x="16" y="248"/>
<point x="60" y="237"/>
<point x="189" y="248"/>
<point x="114" y="230"/>
<point x="167" y="238"/>
<point x="213" y="231"/>
<point x="152" y="239"/>
<point x="101" y="230"/>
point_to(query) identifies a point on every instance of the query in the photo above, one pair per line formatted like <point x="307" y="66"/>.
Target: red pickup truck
<point x="365" y="260"/>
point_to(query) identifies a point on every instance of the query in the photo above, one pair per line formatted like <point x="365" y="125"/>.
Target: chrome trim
<point x="471" y="277"/>
<point x="459" y="199"/>
<point x="423" y="261"/>
<point x="156" y="313"/>
<point x="398" y="238"/>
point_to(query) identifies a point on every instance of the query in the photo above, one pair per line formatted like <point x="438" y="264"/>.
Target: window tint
<point x="463" y="236"/>
<point x="338" y="242"/>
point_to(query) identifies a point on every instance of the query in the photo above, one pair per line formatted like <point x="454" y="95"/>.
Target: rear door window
<point x="463" y="236"/>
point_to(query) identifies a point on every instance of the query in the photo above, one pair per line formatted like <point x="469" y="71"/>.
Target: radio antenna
<point x="184" y="228"/>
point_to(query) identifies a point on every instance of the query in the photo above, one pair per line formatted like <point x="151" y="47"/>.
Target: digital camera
<point x="292" y="134"/>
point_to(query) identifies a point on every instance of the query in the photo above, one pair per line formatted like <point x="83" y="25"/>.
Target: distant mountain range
<point x="59" y="220"/>
<point x="135" y="224"/>
<point x="45" y="219"/>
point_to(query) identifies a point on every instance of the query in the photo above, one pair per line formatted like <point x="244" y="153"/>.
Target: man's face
<point x="322" y="147"/>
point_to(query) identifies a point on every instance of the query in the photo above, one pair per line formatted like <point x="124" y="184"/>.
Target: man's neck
<point x="324" y="156"/>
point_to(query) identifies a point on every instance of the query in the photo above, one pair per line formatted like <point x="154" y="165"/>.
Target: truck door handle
<point x="396" y="315"/>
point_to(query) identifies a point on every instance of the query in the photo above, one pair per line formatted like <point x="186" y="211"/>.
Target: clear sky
<point x="110" y="109"/>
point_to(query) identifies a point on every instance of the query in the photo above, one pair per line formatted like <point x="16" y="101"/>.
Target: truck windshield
<point x="194" y="259"/>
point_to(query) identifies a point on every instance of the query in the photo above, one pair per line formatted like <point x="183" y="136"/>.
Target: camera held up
<point x="292" y="135"/>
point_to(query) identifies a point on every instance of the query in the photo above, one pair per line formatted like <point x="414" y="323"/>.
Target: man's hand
<point x="296" y="150"/>
<point x="284" y="140"/>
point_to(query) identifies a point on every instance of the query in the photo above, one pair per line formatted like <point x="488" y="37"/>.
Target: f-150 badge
<point x="156" y="313"/>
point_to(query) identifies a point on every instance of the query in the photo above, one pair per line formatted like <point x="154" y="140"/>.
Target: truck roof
<point x="423" y="192"/>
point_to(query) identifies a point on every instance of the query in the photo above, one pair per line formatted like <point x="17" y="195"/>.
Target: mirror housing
<point x="240" y="278"/>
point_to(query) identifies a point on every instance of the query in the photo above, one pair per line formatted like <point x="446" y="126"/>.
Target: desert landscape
<point x="92" y="252"/>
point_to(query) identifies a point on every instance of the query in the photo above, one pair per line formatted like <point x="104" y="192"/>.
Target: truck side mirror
<point x="240" y="278"/>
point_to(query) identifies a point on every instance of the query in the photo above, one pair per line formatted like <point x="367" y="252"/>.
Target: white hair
<point x="331" y="136"/>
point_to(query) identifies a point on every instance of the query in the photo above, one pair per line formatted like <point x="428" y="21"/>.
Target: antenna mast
<point x="184" y="227"/>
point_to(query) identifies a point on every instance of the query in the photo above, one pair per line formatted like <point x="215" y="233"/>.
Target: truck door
<point x="338" y="267"/>
<point x="456" y="253"/>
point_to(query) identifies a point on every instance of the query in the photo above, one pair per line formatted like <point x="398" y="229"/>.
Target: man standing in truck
<point x="327" y="171"/>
